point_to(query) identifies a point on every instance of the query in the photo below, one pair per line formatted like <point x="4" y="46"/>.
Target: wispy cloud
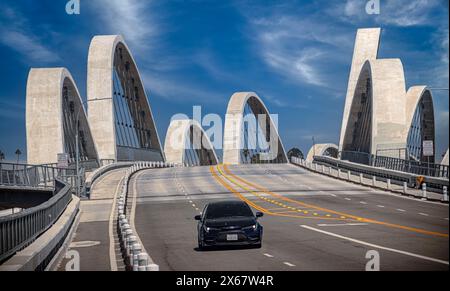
<point x="401" y="13"/>
<point x="16" y="33"/>
<point x="136" y="20"/>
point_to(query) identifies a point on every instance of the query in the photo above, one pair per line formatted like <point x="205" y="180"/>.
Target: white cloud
<point x="16" y="33"/>
<point x="136" y="20"/>
<point x="401" y="13"/>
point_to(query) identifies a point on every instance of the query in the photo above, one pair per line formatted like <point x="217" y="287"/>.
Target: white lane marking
<point x="348" y="199"/>
<point x="377" y="246"/>
<point x="362" y="202"/>
<point x="401" y="210"/>
<point x="334" y="195"/>
<point x="423" y="214"/>
<point x="381" y="206"/>
<point x="342" y="224"/>
<point x="446" y="218"/>
<point x="268" y="255"/>
<point x="289" y="264"/>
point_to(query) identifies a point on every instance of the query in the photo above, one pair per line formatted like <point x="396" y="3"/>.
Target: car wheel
<point x="258" y="246"/>
<point x="200" y="245"/>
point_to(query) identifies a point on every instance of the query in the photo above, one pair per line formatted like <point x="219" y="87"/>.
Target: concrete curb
<point x="133" y="252"/>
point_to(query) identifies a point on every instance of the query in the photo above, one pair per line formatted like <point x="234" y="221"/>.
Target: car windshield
<point x="216" y="211"/>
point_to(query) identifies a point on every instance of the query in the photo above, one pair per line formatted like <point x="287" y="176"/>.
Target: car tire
<point x="200" y="245"/>
<point x="258" y="246"/>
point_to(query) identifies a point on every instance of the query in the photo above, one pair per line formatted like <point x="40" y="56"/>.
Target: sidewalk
<point x="92" y="237"/>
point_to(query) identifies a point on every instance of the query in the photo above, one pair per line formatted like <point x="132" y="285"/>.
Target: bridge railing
<point x="396" y="164"/>
<point x="19" y="230"/>
<point x="36" y="176"/>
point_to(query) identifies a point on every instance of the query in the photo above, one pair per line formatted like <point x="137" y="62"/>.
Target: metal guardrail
<point x="396" y="164"/>
<point x="435" y="183"/>
<point x="385" y="181"/>
<point x="39" y="176"/>
<point x="19" y="230"/>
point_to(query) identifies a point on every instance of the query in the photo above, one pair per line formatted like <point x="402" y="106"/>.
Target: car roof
<point x="231" y="202"/>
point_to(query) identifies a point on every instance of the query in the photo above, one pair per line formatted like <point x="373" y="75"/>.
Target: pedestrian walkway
<point x="92" y="238"/>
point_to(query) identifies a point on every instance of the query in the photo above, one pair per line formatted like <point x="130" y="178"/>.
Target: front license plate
<point x="232" y="237"/>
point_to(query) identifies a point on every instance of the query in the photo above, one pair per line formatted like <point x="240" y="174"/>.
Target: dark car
<point x="229" y="223"/>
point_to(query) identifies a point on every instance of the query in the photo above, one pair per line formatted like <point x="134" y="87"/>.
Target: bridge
<point x="121" y="201"/>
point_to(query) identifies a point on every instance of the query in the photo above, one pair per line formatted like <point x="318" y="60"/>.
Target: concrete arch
<point x="119" y="111"/>
<point x="187" y="131"/>
<point x="393" y="122"/>
<point x="420" y="121"/>
<point x="233" y="142"/>
<point x="381" y="85"/>
<point x="52" y="105"/>
<point x="324" y="149"/>
<point x="445" y="159"/>
<point x="367" y="43"/>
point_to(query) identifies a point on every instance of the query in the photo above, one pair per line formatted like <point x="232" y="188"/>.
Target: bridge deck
<point x="312" y="222"/>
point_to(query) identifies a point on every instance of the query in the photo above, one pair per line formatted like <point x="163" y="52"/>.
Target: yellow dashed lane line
<point x="341" y="214"/>
<point x="256" y="206"/>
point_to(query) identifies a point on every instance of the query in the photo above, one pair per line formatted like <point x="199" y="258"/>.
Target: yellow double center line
<point x="233" y="179"/>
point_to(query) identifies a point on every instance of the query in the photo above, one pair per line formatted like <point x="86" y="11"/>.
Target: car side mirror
<point x="259" y="214"/>
<point x="198" y="217"/>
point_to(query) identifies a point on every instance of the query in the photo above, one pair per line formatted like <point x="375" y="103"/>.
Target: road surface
<point x="311" y="222"/>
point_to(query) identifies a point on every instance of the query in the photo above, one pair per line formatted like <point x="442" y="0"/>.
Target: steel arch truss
<point x="53" y="105"/>
<point x="251" y="134"/>
<point x="186" y="143"/>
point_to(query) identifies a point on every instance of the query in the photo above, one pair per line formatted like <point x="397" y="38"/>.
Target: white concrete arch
<point x="420" y="121"/>
<point x="324" y="149"/>
<point x="380" y="117"/>
<point x="445" y="159"/>
<point x="234" y="129"/>
<point x="182" y="132"/>
<point x="119" y="111"/>
<point x="52" y="105"/>
<point x="381" y="85"/>
<point x="367" y="43"/>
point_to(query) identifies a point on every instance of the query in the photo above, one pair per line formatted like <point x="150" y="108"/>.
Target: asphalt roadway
<point x="311" y="222"/>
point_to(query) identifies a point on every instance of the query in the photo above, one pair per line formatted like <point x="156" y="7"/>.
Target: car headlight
<point x="252" y="227"/>
<point x="208" y="229"/>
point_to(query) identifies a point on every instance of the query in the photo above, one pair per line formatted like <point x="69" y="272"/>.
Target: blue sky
<point x="295" y="54"/>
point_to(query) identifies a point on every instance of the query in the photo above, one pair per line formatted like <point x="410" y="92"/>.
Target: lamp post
<point x="77" y="149"/>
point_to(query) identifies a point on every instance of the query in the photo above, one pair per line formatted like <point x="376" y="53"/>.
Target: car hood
<point x="230" y="222"/>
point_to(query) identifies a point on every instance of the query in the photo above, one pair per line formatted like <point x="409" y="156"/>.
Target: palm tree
<point x="18" y="153"/>
<point x="2" y="156"/>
